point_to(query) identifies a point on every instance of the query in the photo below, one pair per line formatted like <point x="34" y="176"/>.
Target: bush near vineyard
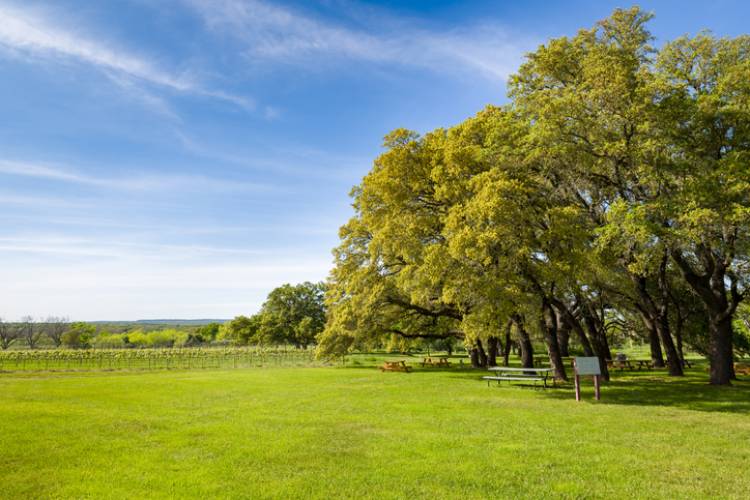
<point x="79" y="335"/>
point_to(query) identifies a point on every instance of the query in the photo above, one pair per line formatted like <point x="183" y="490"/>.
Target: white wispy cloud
<point x="133" y="181"/>
<point x="90" y="247"/>
<point x="35" y="35"/>
<point x="281" y="33"/>
<point x="290" y="160"/>
<point x="17" y="200"/>
<point x="89" y="279"/>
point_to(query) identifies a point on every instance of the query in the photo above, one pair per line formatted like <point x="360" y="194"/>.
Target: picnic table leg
<point x="596" y="387"/>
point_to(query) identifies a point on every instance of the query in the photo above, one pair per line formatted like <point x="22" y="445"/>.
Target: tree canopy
<point x="291" y="314"/>
<point x="613" y="189"/>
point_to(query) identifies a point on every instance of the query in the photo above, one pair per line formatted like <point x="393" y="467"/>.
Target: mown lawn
<point x="356" y="432"/>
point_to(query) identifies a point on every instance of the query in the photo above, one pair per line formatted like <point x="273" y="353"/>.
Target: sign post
<point x="587" y="366"/>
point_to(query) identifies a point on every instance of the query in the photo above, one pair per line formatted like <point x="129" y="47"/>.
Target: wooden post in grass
<point x="587" y="366"/>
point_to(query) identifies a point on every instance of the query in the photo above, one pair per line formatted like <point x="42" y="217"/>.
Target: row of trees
<point x="30" y="331"/>
<point x="613" y="192"/>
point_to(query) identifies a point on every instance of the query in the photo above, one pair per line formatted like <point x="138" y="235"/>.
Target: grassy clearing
<point x="356" y="432"/>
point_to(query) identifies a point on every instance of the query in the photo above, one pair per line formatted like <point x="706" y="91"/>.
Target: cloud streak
<point x="33" y="35"/>
<point x="277" y="33"/>
<point x="88" y="279"/>
<point x="132" y="182"/>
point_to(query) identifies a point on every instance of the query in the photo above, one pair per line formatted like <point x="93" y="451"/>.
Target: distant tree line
<point x="292" y="315"/>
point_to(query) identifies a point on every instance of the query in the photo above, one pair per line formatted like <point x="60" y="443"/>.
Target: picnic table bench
<point x="435" y="361"/>
<point x="511" y="373"/>
<point x="543" y="360"/>
<point x="638" y="364"/>
<point x="630" y="364"/>
<point x="395" y="366"/>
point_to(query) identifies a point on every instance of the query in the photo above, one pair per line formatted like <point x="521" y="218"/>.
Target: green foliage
<point x="207" y="333"/>
<point x="242" y="330"/>
<point x="156" y="338"/>
<point x="293" y="314"/>
<point x="106" y="340"/>
<point x="79" y="335"/>
<point x="615" y="186"/>
<point x="742" y="330"/>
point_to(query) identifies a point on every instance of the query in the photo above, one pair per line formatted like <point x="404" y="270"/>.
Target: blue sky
<point x="180" y="158"/>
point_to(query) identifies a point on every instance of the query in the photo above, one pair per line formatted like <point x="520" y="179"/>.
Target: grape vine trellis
<point x="153" y="359"/>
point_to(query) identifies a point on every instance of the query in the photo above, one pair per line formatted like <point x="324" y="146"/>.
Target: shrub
<point x="78" y="335"/>
<point x="106" y="340"/>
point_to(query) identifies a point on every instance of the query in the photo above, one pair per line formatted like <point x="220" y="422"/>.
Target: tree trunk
<point x="548" y="325"/>
<point x="474" y="356"/>
<point x="721" y="355"/>
<point x="481" y="354"/>
<point x="653" y="339"/>
<point x="598" y="339"/>
<point x="563" y="334"/>
<point x="506" y="351"/>
<point x="711" y="287"/>
<point x="678" y="336"/>
<point x="674" y="362"/>
<point x="492" y="350"/>
<point x="658" y="314"/>
<point x="573" y="322"/>
<point x="524" y="343"/>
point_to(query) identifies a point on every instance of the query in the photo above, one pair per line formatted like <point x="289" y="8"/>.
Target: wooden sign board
<point x="588" y="366"/>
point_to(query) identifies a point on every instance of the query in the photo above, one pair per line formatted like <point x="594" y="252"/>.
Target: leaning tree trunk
<point x="721" y="304"/>
<point x="573" y="322"/>
<point x="492" y="350"/>
<point x="653" y="339"/>
<point x="598" y="339"/>
<point x="678" y="337"/>
<point x="548" y="325"/>
<point x="563" y="334"/>
<point x="482" y="355"/>
<point x="674" y="362"/>
<point x="658" y="314"/>
<point x="600" y="332"/>
<point x="474" y="356"/>
<point x="524" y="343"/>
<point x="506" y="350"/>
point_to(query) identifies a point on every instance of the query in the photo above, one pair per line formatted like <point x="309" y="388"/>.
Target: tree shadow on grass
<point x="691" y="392"/>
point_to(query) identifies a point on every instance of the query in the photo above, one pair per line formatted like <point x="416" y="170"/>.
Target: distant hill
<point x="185" y="322"/>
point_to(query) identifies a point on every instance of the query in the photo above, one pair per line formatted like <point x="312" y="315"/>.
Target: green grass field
<point x="356" y="432"/>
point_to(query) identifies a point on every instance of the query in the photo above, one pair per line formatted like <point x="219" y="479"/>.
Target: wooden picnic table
<point x="512" y="373"/>
<point x="435" y="361"/>
<point x="643" y="364"/>
<point x="395" y="366"/>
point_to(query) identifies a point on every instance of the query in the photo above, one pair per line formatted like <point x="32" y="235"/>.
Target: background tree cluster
<point x="611" y="197"/>
<point x="292" y="314"/>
